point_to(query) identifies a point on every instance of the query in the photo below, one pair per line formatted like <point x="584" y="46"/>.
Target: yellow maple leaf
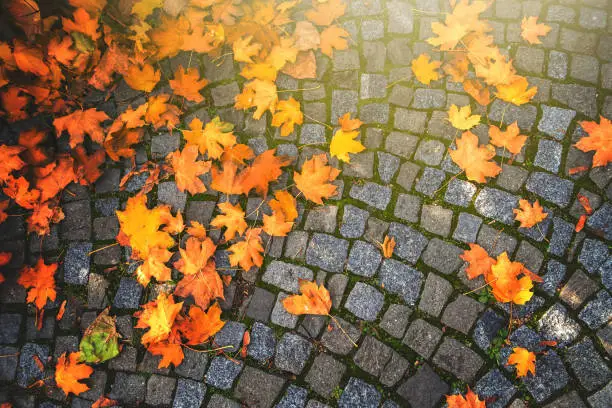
<point x="259" y="94"/>
<point x="462" y="118"/>
<point x="188" y="84"/>
<point x="232" y="219"/>
<point x="528" y="214"/>
<point x="212" y="139"/>
<point x="343" y="142"/>
<point x="510" y="140"/>
<point x="523" y="360"/>
<point x="449" y="34"/>
<point x="516" y="92"/>
<point x="425" y="70"/>
<point x="244" y="51"/>
<point x="142" y="79"/>
<point x="475" y="160"/>
<point x="248" y="252"/>
<point x="287" y="115"/>
<point x="142" y="8"/>
<point x="158" y="315"/>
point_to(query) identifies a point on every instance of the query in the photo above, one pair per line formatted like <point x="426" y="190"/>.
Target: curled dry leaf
<point x="388" y="246"/>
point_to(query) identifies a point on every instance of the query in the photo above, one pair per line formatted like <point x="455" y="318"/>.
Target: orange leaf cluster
<point x="509" y="281"/>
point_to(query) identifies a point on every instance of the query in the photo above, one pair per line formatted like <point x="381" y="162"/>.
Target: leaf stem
<point x="343" y="331"/>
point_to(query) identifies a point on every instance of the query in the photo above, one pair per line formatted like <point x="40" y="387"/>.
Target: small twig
<point x="316" y="121"/>
<point x="299" y="89"/>
<point x="103" y="248"/>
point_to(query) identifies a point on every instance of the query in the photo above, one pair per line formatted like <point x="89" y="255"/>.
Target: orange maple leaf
<point x="314" y="300"/>
<point x="287" y="115"/>
<point x="505" y="283"/>
<point x="347" y="124"/>
<point x="30" y="139"/>
<point x="496" y="70"/>
<point x="531" y="30"/>
<point x="82" y="122"/>
<point x="187" y="169"/>
<point x="115" y="59"/>
<point x="248" y="252"/>
<point x="237" y="154"/>
<point x="60" y="174"/>
<point x="284" y="212"/>
<point x="478" y="91"/>
<point x="119" y="144"/>
<point x="599" y="139"/>
<point x="104" y="402"/>
<point x="315" y="179"/>
<point x="61" y="50"/>
<point x="68" y="373"/>
<point x="204" y="285"/>
<point x="161" y="113"/>
<point x="529" y="215"/>
<point x="200" y="326"/>
<point x="142" y="79"/>
<point x="457" y="68"/>
<point x="470" y="400"/>
<point x="188" y="84"/>
<point x="323" y="14"/>
<point x="171" y="352"/>
<point x="265" y="169"/>
<point x="479" y="261"/>
<point x="510" y="139"/>
<point x="42" y="215"/>
<point x="226" y="181"/>
<point x="260" y="94"/>
<point x="388" y="246"/>
<point x="211" y="139"/>
<point x="10" y="161"/>
<point x="158" y="316"/>
<point x="83" y="23"/>
<point x="40" y="282"/>
<point x="87" y="171"/>
<point x="19" y="190"/>
<point x="195" y="256"/>
<point x="523" y="360"/>
<point x="232" y="219"/>
<point x="474" y="159"/>
<point x="197" y="230"/>
<point x="30" y="59"/>
<point x="276" y="225"/>
<point x="333" y="37"/>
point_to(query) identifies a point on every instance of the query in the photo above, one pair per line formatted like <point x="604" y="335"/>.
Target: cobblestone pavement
<point x="421" y="332"/>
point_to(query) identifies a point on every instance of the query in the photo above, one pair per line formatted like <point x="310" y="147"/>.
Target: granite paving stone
<point x="430" y="181"/>
<point x="337" y="340"/>
<point x="294" y="397"/>
<point x="327" y="252"/>
<point x="601" y="398"/>
<point x="557" y="325"/>
<point x="222" y="372"/>
<point x="555" y="274"/>
<point x="364" y="301"/>
<point x="353" y="221"/>
<point x="258" y="388"/>
<point x="495" y="388"/>
<point x="550" y="377"/>
<point x="188" y="394"/>
<point x="372" y="356"/>
<point x="401" y="279"/>
<point x="325" y="374"/>
<point x="395" y="320"/>
<point x="597" y="312"/>
<point x="461" y="313"/>
<point x="467" y="228"/>
<point x="457" y="358"/>
<point x="359" y="393"/>
<point x="442" y="256"/>
<point x="280" y="316"/>
<point x="372" y="194"/>
<point x="423" y="389"/>
<point x="292" y="353"/>
<point x="364" y="259"/>
<point x="128" y="388"/>
<point x="436" y="292"/>
<point x="422" y="337"/>
<point x="590" y="368"/>
<point x="496" y="204"/>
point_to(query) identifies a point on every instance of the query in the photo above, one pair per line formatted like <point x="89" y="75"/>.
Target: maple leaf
<point x="232" y="219"/>
<point x="333" y="37"/>
<point x="197" y="230"/>
<point x="29" y="59"/>
<point x="3" y="216"/>
<point x="40" y="282"/>
<point x="93" y="7"/>
<point x="474" y="159"/>
<point x="61" y="50"/>
<point x="388" y="246"/>
<point x="260" y="94"/>
<point x="154" y="266"/>
<point x="82" y="122"/>
<point x="226" y="181"/>
<point x="60" y="175"/>
<point x="462" y="118"/>
<point x="172" y="353"/>
<point x="104" y="402"/>
<point x="259" y="70"/>
<point x="14" y="103"/>
<point x="531" y="30"/>
<point x="523" y="360"/>
<point x="10" y="160"/>
<point x="599" y="139"/>
<point x="187" y="169"/>
<point x="142" y="79"/>
<point x="88" y="171"/>
<point x="200" y="326"/>
<point x="448" y="34"/>
<point x="314" y="300"/>
<point x="188" y="84"/>
<point x="470" y="400"/>
<point x="529" y="215"/>
<point x="237" y="154"/>
<point x="83" y="23"/>
<point x="118" y="144"/>
<point x="457" y="68"/>
<point x="158" y="316"/>
<point x="248" y="252"/>
<point x="516" y="91"/>
<point x="323" y="14"/>
<point x="315" y="179"/>
<point x="347" y="124"/>
<point x="479" y="261"/>
<point x="496" y="71"/>
<point x="42" y="215"/>
<point x="284" y="212"/>
<point x="505" y="283"/>
<point x="276" y="225"/>
<point x="212" y="139"/>
<point x="139" y="227"/>
<point x="68" y="373"/>
<point x="161" y="113"/>
<point x="195" y="256"/>
<point x="287" y="115"/>
<point x="19" y="190"/>
<point x="343" y="143"/>
<point x="204" y="286"/>
<point x="282" y="53"/>
<point x="425" y="70"/>
<point x="510" y="140"/>
<point x="244" y="51"/>
<point x="265" y="169"/>
<point x="115" y="59"/>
